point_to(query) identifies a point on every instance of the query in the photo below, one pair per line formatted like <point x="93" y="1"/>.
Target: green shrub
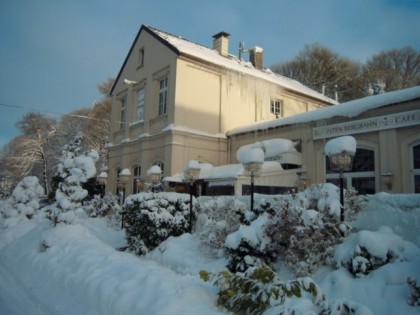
<point x="151" y="218"/>
<point x="259" y="289"/>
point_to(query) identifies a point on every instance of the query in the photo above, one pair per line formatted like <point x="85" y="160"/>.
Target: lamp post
<point x="303" y="180"/>
<point x="155" y="174"/>
<point x="341" y="153"/>
<point x="387" y="179"/>
<point x="123" y="178"/>
<point x="192" y="172"/>
<point x="252" y="160"/>
<point x="102" y="179"/>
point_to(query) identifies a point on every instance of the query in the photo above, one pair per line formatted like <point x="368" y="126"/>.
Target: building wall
<point x="216" y="100"/>
<point x="204" y="102"/>
<point x="392" y="147"/>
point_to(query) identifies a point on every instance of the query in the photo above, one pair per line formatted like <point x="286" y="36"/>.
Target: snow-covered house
<point x="174" y="101"/>
<point x="386" y="128"/>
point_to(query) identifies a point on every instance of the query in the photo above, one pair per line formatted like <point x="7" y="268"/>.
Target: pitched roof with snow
<point x="349" y="109"/>
<point x="187" y="48"/>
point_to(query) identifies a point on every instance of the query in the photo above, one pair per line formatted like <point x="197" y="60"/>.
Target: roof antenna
<point x="242" y="49"/>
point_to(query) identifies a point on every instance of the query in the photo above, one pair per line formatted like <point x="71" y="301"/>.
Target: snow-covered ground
<point x="76" y="269"/>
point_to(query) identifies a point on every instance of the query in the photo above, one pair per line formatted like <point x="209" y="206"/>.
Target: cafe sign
<point x="403" y="119"/>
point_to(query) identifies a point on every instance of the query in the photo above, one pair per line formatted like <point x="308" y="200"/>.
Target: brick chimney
<point x="221" y="43"/>
<point x="256" y="57"/>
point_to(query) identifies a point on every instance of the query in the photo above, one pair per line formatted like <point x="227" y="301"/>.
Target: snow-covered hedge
<point x="299" y="229"/>
<point x="151" y="218"/>
<point x="365" y="251"/>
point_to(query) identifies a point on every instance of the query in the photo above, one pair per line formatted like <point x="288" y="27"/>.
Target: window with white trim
<point x="276" y="107"/>
<point x="140" y="104"/>
<point x="123" y="103"/>
<point x="163" y="95"/>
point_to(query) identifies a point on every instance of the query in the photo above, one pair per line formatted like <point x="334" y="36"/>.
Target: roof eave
<point x="150" y="31"/>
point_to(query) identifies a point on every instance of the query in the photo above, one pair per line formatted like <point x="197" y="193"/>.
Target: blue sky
<point x="53" y="53"/>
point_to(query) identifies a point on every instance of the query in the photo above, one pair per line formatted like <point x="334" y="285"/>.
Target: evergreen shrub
<point x="259" y="289"/>
<point x="151" y="218"/>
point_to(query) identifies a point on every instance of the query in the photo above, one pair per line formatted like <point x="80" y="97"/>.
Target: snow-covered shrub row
<point x="260" y="291"/>
<point x="299" y="229"/>
<point x="365" y="251"/>
<point x="23" y="203"/>
<point x="151" y="218"/>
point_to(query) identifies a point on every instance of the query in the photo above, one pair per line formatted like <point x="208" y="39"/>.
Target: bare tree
<point x="98" y="127"/>
<point x="38" y="147"/>
<point x="396" y="69"/>
<point x="72" y="124"/>
<point x="31" y="153"/>
<point x="96" y="132"/>
<point x="325" y="71"/>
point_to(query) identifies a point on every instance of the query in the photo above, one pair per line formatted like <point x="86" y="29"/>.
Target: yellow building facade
<point x="387" y="131"/>
<point x="175" y="101"/>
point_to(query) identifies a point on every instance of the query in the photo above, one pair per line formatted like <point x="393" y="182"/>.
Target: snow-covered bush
<point x="216" y="219"/>
<point x="151" y="218"/>
<point x="414" y="294"/>
<point x="102" y="206"/>
<point x="249" y="245"/>
<point x="300" y="229"/>
<point x="365" y="251"/>
<point x="260" y="291"/>
<point x="74" y="169"/>
<point x="24" y="201"/>
<point x="302" y="238"/>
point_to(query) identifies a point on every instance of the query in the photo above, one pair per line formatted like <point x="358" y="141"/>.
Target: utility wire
<point x="56" y="113"/>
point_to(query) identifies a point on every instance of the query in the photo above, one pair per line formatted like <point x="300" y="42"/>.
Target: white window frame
<point x="141" y="102"/>
<point x="123" y="112"/>
<point x="276" y="107"/>
<point x="163" y="95"/>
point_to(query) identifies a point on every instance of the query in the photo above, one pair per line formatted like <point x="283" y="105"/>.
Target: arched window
<point x="362" y="175"/>
<point x="416" y="168"/>
<point x="137" y="179"/>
